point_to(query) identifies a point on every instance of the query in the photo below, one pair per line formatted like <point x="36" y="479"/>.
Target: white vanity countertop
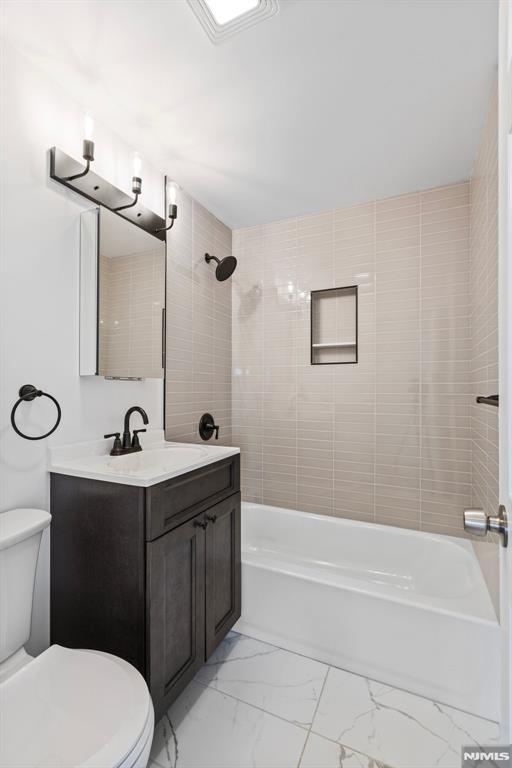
<point x="158" y="461"/>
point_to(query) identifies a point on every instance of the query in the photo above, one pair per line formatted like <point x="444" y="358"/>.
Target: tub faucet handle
<point x="207" y="427"/>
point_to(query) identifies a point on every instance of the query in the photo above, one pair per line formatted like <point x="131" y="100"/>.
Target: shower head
<point x="225" y="267"/>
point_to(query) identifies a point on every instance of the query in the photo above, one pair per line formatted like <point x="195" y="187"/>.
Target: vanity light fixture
<point x="86" y="182"/>
<point x="87" y="147"/>
<point x="171" y="189"/>
<point x="136" y="183"/>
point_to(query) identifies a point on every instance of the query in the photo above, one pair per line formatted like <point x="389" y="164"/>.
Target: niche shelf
<point x="334" y="326"/>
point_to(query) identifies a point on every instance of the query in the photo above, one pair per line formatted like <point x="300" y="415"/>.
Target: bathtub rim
<point x="413" y="532"/>
<point x="462" y="543"/>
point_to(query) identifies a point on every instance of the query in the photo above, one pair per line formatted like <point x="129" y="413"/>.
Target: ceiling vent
<point x="221" y="19"/>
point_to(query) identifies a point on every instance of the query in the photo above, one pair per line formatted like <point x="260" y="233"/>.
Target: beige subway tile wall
<point x="385" y="440"/>
<point x="198" y="374"/>
<point x="484" y="346"/>
<point x="393" y="439"/>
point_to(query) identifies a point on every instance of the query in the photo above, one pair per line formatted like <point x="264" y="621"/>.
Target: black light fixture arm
<point x="88" y="155"/>
<point x="173" y="215"/>
<point x="165" y="229"/>
<point x="79" y="175"/>
<point x="137" y="191"/>
<point x="130" y="205"/>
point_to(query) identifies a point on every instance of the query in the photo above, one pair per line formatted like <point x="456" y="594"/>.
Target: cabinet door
<point x="223" y="570"/>
<point x="176" y="597"/>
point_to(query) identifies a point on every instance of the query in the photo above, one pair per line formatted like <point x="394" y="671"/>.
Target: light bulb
<point x="172" y="192"/>
<point x="137" y="164"/>
<point x="88" y="126"/>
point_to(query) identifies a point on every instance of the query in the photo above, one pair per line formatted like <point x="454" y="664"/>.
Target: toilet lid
<point x="72" y="708"/>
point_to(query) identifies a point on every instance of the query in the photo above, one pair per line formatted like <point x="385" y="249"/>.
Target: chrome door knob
<point x="475" y="522"/>
<point x="478" y="523"/>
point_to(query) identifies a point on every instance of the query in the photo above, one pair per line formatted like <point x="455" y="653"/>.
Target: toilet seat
<point x="70" y="708"/>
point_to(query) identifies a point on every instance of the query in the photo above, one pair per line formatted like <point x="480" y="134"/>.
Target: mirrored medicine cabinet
<point x="122" y="298"/>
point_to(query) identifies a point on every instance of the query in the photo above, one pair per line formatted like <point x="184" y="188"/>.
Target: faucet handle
<point x="207" y="427"/>
<point x="135" y="438"/>
<point x="116" y="448"/>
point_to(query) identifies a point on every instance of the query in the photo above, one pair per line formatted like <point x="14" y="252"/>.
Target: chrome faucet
<point x="129" y="444"/>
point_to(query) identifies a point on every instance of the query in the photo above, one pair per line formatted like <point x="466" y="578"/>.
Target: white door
<point x="505" y="330"/>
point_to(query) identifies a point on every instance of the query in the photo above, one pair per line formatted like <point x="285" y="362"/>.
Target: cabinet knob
<point x="211" y="518"/>
<point x="201" y="524"/>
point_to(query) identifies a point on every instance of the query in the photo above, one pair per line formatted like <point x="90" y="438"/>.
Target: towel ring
<point x="28" y="392"/>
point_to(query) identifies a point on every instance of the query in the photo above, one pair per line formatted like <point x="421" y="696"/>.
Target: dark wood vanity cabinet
<point x="194" y="594"/>
<point x="149" y="574"/>
<point x="223" y="596"/>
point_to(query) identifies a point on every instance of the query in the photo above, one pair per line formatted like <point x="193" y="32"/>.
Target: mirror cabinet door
<point x="122" y="298"/>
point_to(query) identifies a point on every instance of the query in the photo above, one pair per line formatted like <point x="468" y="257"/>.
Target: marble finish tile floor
<point x="253" y="705"/>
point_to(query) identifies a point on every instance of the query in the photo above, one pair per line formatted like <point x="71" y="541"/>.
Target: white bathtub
<point x="406" y="608"/>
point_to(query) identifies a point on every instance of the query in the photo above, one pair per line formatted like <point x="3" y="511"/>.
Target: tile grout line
<point x="374" y="761"/>
<point x="307" y="730"/>
<point x="296" y="724"/>
<point x="314" y="715"/>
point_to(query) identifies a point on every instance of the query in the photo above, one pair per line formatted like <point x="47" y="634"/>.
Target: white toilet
<point x="66" y="707"/>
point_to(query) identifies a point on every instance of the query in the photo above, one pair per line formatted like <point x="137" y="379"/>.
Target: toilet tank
<point x="20" y="537"/>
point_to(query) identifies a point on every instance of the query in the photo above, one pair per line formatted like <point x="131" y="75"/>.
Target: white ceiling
<point x="329" y="103"/>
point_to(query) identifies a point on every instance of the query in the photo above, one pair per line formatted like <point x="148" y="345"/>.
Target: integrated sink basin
<point x="159" y="460"/>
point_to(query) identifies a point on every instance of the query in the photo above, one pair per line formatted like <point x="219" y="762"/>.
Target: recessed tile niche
<point x="334" y="326"/>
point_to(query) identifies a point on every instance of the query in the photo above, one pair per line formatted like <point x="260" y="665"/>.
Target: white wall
<point x="39" y="223"/>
